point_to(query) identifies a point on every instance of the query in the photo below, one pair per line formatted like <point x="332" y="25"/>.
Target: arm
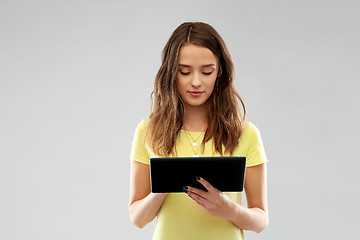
<point x="254" y="217"/>
<point x="143" y="204"/>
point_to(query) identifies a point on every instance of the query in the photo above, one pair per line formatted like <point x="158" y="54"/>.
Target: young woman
<point x="195" y="113"/>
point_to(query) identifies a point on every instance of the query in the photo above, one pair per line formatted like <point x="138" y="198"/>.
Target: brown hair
<point x="225" y="121"/>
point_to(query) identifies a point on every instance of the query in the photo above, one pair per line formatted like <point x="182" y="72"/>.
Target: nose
<point x="196" y="81"/>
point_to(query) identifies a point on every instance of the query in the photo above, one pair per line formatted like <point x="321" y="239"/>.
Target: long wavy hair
<point x="225" y="119"/>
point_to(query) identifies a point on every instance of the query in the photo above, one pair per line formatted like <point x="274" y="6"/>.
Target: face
<point x="198" y="70"/>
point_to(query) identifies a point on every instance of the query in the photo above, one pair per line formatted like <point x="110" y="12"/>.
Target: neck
<point x="195" y="119"/>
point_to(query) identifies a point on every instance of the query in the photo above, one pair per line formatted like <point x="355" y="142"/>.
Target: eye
<point x="207" y="73"/>
<point x="184" y="73"/>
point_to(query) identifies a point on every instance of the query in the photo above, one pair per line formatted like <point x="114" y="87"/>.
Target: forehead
<point x="196" y="56"/>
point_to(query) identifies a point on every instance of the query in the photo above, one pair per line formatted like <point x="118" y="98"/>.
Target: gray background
<point x="75" y="80"/>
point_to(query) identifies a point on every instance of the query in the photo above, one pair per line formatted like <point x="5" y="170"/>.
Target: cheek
<point x="211" y="84"/>
<point x="180" y="84"/>
<point x="179" y="89"/>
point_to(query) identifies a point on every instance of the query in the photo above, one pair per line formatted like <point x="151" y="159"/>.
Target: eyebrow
<point x="207" y="65"/>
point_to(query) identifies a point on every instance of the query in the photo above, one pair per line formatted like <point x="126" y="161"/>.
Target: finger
<point x="205" y="183"/>
<point x="198" y="199"/>
<point x="196" y="191"/>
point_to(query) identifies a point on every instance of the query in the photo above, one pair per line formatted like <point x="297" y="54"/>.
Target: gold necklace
<point x="194" y="143"/>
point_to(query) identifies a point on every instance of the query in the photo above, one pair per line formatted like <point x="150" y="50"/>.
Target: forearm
<point x="145" y="210"/>
<point x="253" y="219"/>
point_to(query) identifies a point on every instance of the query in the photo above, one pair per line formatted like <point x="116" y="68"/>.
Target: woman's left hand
<point x="213" y="201"/>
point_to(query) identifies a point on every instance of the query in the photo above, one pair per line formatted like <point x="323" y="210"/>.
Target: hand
<point x="213" y="201"/>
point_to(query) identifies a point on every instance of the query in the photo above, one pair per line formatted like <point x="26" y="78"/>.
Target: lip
<point x="195" y="93"/>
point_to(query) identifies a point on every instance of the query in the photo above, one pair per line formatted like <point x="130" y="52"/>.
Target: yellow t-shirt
<point x="180" y="217"/>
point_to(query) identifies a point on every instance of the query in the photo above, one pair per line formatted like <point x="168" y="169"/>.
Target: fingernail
<point x="197" y="177"/>
<point x="185" y="189"/>
<point x="189" y="195"/>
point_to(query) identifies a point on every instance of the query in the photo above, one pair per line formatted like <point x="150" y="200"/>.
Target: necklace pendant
<point x="196" y="155"/>
<point x="194" y="144"/>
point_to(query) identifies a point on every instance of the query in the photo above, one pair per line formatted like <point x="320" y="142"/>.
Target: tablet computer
<point x="169" y="175"/>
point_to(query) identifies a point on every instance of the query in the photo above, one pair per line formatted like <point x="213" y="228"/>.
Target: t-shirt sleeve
<point x="139" y="152"/>
<point x="256" y="152"/>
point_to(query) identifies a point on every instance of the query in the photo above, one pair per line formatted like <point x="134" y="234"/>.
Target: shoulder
<point x="250" y="129"/>
<point x="142" y="125"/>
<point x="250" y="135"/>
<point x="141" y="128"/>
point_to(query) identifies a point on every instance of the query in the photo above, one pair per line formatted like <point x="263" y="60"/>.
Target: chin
<point x="195" y="104"/>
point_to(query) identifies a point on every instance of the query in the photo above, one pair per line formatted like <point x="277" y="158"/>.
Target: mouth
<point x="195" y="93"/>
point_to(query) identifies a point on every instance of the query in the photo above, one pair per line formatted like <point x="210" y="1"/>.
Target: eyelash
<point x="187" y="73"/>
